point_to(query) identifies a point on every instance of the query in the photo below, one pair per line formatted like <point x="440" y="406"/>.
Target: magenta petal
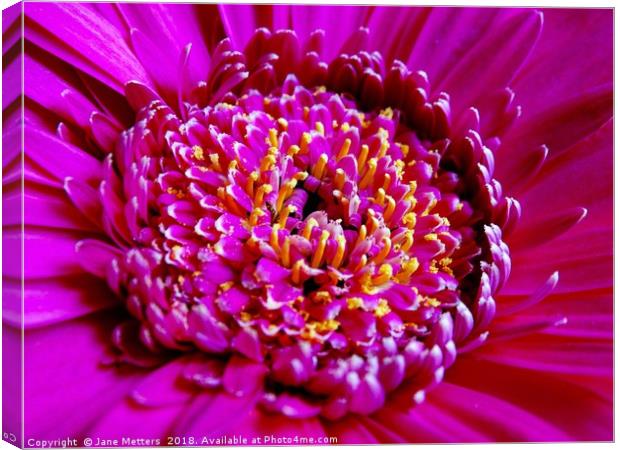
<point x="243" y="377"/>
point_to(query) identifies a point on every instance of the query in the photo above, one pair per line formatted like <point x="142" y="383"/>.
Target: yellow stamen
<point x="285" y="213"/>
<point x="407" y="269"/>
<point x="387" y="179"/>
<point x="380" y="197"/>
<point x="320" y="128"/>
<point x="285" y="192"/>
<point x="344" y="150"/>
<point x="320" y="249"/>
<point x="384" y="275"/>
<point x="370" y="173"/>
<point x="409" y="220"/>
<point x="339" y="179"/>
<point x="293" y="150"/>
<point x="408" y="241"/>
<point x="301" y="176"/>
<point x="296" y="271"/>
<point x="362" y="262"/>
<point x="338" y="257"/>
<point x="361" y="235"/>
<point x="256" y="213"/>
<point x="361" y="158"/>
<point x="273" y="137"/>
<point x="260" y="194"/>
<point x="310" y="224"/>
<point x="275" y="239"/>
<point x="389" y="209"/>
<point x="385" y="145"/>
<point x="283" y="123"/>
<point x="385" y="250"/>
<point x="267" y="163"/>
<point x="249" y="186"/>
<point x="306" y="138"/>
<point x="286" y="252"/>
<point x="319" y="167"/>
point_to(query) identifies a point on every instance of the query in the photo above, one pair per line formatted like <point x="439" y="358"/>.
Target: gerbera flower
<point x="377" y="224"/>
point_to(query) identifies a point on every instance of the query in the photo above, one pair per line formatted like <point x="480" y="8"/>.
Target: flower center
<point x="335" y="252"/>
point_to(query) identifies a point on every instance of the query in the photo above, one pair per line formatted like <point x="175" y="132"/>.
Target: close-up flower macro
<point x="306" y="224"/>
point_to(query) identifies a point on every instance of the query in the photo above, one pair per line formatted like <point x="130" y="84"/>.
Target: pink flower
<point x="313" y="221"/>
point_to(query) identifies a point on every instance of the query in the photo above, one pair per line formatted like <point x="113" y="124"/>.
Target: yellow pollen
<point x="432" y="301"/>
<point x="345" y="127"/>
<point x="430" y="237"/>
<point x="361" y="158"/>
<point x="387" y="112"/>
<point x="407" y="241"/>
<point x="409" y="220"/>
<point x="226" y="286"/>
<point x="355" y="303"/>
<point x="215" y="161"/>
<point x="327" y="325"/>
<point x="407" y="269"/>
<point x="384" y="275"/>
<point x="322" y="297"/>
<point x="405" y="149"/>
<point x="176" y="192"/>
<point x="320" y="249"/>
<point x="344" y="150"/>
<point x="338" y="257"/>
<point x="245" y="316"/>
<point x="383" y="308"/>
<point x="370" y="173"/>
<point x="198" y="152"/>
<point x="233" y="165"/>
<point x="177" y="251"/>
<point x="306" y="112"/>
<point x="400" y="167"/>
<point x="320" y="128"/>
<point x="310" y="224"/>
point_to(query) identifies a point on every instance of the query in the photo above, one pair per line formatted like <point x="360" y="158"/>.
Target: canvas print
<point x="232" y="224"/>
